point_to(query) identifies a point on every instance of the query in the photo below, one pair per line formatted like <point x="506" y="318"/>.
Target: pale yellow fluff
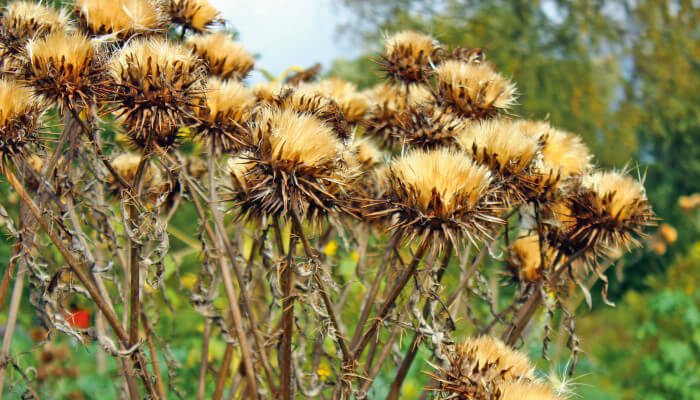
<point x="502" y="139"/>
<point x="625" y="191"/>
<point x="478" y="82"/>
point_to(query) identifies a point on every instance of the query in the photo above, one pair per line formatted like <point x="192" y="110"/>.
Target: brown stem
<point x="413" y="349"/>
<point x="9" y="271"/>
<point x="154" y="355"/>
<point x="11" y="322"/>
<point x="223" y="372"/>
<point x="386" y="351"/>
<point x="204" y="360"/>
<point x="287" y="324"/>
<point x="391" y="299"/>
<point x="372" y="295"/>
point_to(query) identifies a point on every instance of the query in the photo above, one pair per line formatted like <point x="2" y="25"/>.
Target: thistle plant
<point x="461" y="221"/>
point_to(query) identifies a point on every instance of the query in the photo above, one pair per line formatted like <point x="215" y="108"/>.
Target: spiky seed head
<point x="237" y="168"/>
<point x="196" y="15"/>
<point x="408" y="56"/>
<point x="525" y="258"/>
<point x="158" y="85"/>
<point x="510" y="154"/>
<point x="62" y="67"/>
<point x="268" y="93"/>
<point x="122" y="18"/>
<point x="20" y="113"/>
<point x="295" y="164"/>
<point x="23" y="20"/>
<point x="527" y="390"/>
<point x="466" y="54"/>
<point x="225" y="57"/>
<point x="224" y="119"/>
<point x="126" y="164"/>
<point x="353" y="103"/>
<point x="306" y="76"/>
<point x="427" y="125"/>
<point x="604" y="210"/>
<point x="474" y="91"/>
<point x="306" y="100"/>
<point x="387" y="102"/>
<point x="562" y="151"/>
<point x="479" y="368"/>
<point x="368" y="154"/>
<point x="442" y="192"/>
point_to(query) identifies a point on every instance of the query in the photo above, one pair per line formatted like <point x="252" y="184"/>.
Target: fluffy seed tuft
<point x="21" y="21"/>
<point x="224" y="119"/>
<point x="225" y="57"/>
<point x="20" y="111"/>
<point x="408" y="56"/>
<point x="122" y="18"/>
<point x="195" y="15"/>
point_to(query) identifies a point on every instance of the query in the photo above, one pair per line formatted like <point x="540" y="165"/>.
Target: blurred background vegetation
<point x="624" y="75"/>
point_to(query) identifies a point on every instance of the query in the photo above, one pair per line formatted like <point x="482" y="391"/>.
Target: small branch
<point x="287" y="325"/>
<point x="204" y="359"/>
<point x="223" y="372"/>
<point x="391" y="299"/>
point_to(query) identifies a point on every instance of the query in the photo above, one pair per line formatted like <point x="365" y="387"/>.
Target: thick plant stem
<point x="287" y="324"/>
<point x="223" y="372"/>
<point x="204" y="360"/>
<point x="395" y="389"/>
<point x="77" y="270"/>
<point x="372" y="295"/>
<point x="391" y="299"/>
<point x="15" y="301"/>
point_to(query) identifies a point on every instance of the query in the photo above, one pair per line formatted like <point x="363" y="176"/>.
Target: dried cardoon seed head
<point x="224" y="119"/>
<point x="122" y="18"/>
<point x="467" y="55"/>
<point x="158" y="85"/>
<point x="387" y="102"/>
<point x="525" y="258"/>
<point x="309" y="101"/>
<point x="479" y="369"/>
<point x="368" y="154"/>
<point x="21" y="21"/>
<point x="225" y="57"/>
<point x="152" y="182"/>
<point x="474" y="91"/>
<point x="196" y="15"/>
<point x="409" y="55"/>
<point x="268" y="93"/>
<point x="509" y="153"/>
<point x="237" y="168"/>
<point x="440" y="192"/>
<point x="427" y="125"/>
<point x="306" y="76"/>
<point x="295" y="164"/>
<point x="526" y="390"/>
<point x="20" y="111"/>
<point x="562" y="151"/>
<point x="353" y="103"/>
<point x="63" y="68"/>
<point x="610" y="209"/>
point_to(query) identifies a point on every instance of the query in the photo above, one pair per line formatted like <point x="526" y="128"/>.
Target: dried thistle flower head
<point x="479" y="369"/>
<point x="152" y="182"/>
<point x="474" y="91"/>
<point x="306" y="76"/>
<point x="604" y="210"/>
<point x="509" y="153"/>
<point x="368" y="154"/>
<point x="295" y="165"/>
<point x="387" y="103"/>
<point x="561" y="151"/>
<point x="268" y="93"/>
<point x="440" y="192"/>
<point x="353" y="103"/>
<point x="20" y="111"/>
<point x="122" y="18"/>
<point x="195" y="15"/>
<point x="525" y="258"/>
<point x="409" y="55"/>
<point x="526" y="390"/>
<point x="225" y="57"/>
<point x="467" y="55"/>
<point x="157" y="87"/>
<point x="23" y="20"/>
<point x="309" y="101"/>
<point x="237" y="168"/>
<point x="225" y="117"/>
<point x="427" y="125"/>
<point x="63" y="68"/>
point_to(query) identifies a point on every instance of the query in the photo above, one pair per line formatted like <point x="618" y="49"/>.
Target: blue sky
<point x="288" y="32"/>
